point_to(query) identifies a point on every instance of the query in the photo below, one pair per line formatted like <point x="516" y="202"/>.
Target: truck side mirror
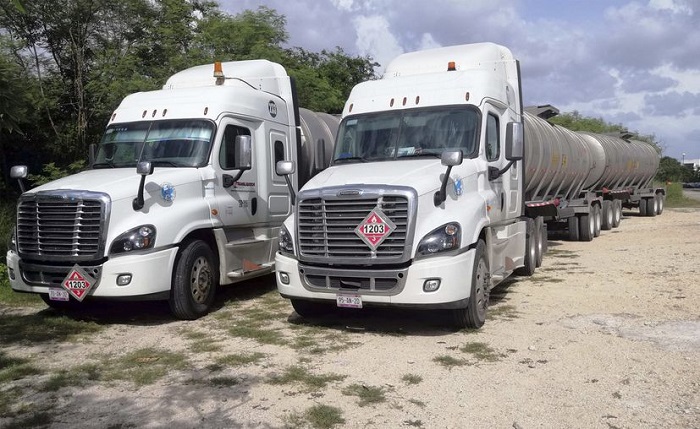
<point x="448" y="159"/>
<point x="514" y="141"/>
<point x="143" y="168"/>
<point x="20" y="173"/>
<point x="243" y="150"/>
<point x="285" y="168"/>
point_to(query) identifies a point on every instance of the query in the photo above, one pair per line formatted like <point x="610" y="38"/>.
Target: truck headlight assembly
<point x="139" y="238"/>
<point x="443" y="239"/>
<point x="286" y="245"/>
<point x="13" y="240"/>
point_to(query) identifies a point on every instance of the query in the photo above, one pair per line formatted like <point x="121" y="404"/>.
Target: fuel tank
<point x="562" y="163"/>
<point x="318" y="132"/>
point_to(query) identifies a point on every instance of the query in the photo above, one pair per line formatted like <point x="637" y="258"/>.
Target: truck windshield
<point x="407" y="133"/>
<point x="174" y="143"/>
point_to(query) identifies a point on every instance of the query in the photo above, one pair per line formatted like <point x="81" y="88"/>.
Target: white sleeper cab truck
<point x="422" y="205"/>
<point x="181" y="196"/>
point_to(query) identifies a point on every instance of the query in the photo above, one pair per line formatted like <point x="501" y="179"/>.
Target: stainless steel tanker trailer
<point x="580" y="181"/>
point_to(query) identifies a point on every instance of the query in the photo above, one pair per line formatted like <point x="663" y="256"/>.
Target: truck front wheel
<point x="194" y="281"/>
<point x="474" y="315"/>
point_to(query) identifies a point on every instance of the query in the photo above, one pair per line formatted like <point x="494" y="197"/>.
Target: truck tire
<point x="660" y="203"/>
<point x="474" y="315"/>
<point x="573" y="228"/>
<point x="195" y="279"/>
<point x="586" y="223"/>
<point x="310" y="308"/>
<point x="530" y="251"/>
<point x="597" y="214"/>
<point x="541" y="229"/>
<point x="608" y="215"/>
<point x="652" y="206"/>
<point x="643" y="207"/>
<point x="617" y="213"/>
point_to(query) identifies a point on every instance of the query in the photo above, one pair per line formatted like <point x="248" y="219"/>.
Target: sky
<point x="629" y="62"/>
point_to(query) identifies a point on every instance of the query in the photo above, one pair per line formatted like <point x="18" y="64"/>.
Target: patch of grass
<point x="35" y="420"/>
<point x="224" y="381"/>
<point x="15" y="368"/>
<point x="562" y="253"/>
<point x="366" y="394"/>
<point x="417" y="402"/>
<point x="449" y="361"/>
<point x="676" y="199"/>
<point x="8" y="397"/>
<point x="75" y="377"/>
<point x="324" y="416"/>
<point x="43" y="327"/>
<point x="414" y="423"/>
<point x="258" y="314"/>
<point x="257" y="333"/>
<point x="11" y="298"/>
<point x="201" y="341"/>
<point x="143" y="366"/>
<point x="505" y="311"/>
<point x="547" y="279"/>
<point x="122" y="426"/>
<point x="481" y="351"/>
<point x="240" y="359"/>
<point x="300" y="375"/>
<point x="411" y="378"/>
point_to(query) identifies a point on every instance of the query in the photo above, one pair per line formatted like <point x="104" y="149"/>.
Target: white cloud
<point x="375" y="38"/>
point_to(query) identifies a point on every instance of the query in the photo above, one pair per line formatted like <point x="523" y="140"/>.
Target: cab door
<point x="236" y="191"/>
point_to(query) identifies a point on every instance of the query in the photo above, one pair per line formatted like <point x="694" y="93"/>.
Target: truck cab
<point x="422" y="205"/>
<point x="182" y="195"/>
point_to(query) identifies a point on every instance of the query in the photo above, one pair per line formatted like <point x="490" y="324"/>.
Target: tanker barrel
<point x="318" y="132"/>
<point x="558" y="162"/>
<point x="628" y="163"/>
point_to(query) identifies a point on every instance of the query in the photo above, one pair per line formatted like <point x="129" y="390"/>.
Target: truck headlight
<point x="139" y="238"/>
<point x="13" y="240"/>
<point x="443" y="239"/>
<point x="286" y="245"/>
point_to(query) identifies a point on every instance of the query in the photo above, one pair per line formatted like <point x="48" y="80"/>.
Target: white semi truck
<point x="441" y="186"/>
<point x="182" y="194"/>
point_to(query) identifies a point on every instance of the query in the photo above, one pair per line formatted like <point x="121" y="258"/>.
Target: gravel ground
<point x="606" y="334"/>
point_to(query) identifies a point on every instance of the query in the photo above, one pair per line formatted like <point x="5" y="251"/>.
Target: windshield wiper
<point x="168" y="163"/>
<point x="109" y="164"/>
<point x="350" y="158"/>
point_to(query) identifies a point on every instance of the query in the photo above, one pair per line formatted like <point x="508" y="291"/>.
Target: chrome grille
<point x="60" y="225"/>
<point x="326" y="228"/>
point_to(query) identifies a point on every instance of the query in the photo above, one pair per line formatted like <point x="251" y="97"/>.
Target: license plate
<point x="56" y="294"/>
<point x="349" y="301"/>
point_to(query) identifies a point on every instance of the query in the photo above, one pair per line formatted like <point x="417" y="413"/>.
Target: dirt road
<point x="606" y="335"/>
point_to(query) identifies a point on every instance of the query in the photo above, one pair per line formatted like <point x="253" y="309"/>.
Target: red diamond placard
<point x="375" y="228"/>
<point x="78" y="283"/>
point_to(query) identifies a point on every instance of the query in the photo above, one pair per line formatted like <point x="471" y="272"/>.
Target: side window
<point x="279" y="151"/>
<point x="227" y="155"/>
<point x="493" y="148"/>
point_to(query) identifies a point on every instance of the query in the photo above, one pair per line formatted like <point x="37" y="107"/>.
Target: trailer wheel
<point x="617" y="213"/>
<point x="598" y="220"/>
<point x="660" y="203"/>
<point x="530" y="251"/>
<point x="643" y="206"/>
<point x="608" y="215"/>
<point x="573" y="228"/>
<point x="474" y="315"/>
<point x="541" y="229"/>
<point x="586" y="223"/>
<point x="652" y="206"/>
<point x="195" y="280"/>
<point x="309" y="308"/>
